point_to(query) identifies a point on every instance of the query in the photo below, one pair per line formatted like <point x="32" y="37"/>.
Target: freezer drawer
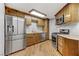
<point x="8" y="47"/>
<point x="17" y="45"/>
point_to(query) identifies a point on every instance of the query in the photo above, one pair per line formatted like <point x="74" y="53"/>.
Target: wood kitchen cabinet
<point x="20" y="14"/>
<point x="32" y="38"/>
<point x="70" y="12"/>
<point x="13" y="12"/>
<point x="28" y="20"/>
<point x="67" y="47"/>
<point x="46" y="26"/>
<point x="67" y="14"/>
<point x="60" y="45"/>
<point x="41" y="22"/>
<point x="10" y="12"/>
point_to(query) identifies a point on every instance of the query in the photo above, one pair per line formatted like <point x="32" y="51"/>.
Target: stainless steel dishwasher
<point x="43" y="36"/>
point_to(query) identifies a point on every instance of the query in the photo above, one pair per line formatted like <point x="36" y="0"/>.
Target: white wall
<point x="1" y="29"/>
<point x="52" y="27"/>
<point x="74" y="28"/>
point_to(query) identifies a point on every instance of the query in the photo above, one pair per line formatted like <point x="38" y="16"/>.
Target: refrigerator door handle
<point x="12" y="28"/>
<point x="7" y="28"/>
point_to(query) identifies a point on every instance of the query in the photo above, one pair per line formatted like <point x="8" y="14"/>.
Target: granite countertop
<point x="73" y="37"/>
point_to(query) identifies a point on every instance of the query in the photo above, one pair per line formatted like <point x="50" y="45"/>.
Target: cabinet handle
<point x="12" y="28"/>
<point x="7" y="28"/>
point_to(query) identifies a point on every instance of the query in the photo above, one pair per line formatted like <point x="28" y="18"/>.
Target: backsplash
<point x="74" y="28"/>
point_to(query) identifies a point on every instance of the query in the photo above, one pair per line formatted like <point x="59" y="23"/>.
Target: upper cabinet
<point x="28" y="20"/>
<point x="13" y="12"/>
<point x="68" y="14"/>
<point x="41" y="22"/>
<point x="46" y="26"/>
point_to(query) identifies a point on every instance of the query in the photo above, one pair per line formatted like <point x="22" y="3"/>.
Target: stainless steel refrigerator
<point x="14" y="34"/>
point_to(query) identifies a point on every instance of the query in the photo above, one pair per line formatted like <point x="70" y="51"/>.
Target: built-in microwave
<point x="60" y="20"/>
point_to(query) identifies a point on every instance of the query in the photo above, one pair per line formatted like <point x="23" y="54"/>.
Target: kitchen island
<point x="68" y="45"/>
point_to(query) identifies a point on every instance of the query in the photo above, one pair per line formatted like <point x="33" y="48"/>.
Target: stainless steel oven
<point x="54" y="35"/>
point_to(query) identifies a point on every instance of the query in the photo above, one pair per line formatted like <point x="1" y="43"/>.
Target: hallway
<point x="40" y="49"/>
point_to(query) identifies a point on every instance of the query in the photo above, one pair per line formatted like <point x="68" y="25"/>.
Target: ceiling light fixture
<point x="37" y="13"/>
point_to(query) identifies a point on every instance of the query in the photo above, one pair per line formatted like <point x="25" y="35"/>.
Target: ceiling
<point x="48" y="8"/>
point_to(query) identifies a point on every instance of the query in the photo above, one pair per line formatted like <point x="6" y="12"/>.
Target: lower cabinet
<point x="34" y="38"/>
<point x="60" y="44"/>
<point x="67" y="47"/>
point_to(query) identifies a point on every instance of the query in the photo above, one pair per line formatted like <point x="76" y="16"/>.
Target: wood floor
<point x="40" y="49"/>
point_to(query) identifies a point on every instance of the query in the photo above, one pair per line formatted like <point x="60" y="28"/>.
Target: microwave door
<point x="61" y="20"/>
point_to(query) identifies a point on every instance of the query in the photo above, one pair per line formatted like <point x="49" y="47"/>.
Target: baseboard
<point x="15" y="52"/>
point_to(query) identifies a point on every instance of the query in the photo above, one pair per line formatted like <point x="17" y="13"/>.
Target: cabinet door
<point x="71" y="13"/>
<point x="40" y="22"/>
<point x="20" y="14"/>
<point x="46" y="26"/>
<point x="78" y="12"/>
<point x="30" y="41"/>
<point x="9" y="11"/>
<point x="36" y="38"/>
<point x="67" y="14"/>
<point x="74" y="13"/>
<point x="60" y="44"/>
<point x="28" y="20"/>
<point x="70" y="47"/>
